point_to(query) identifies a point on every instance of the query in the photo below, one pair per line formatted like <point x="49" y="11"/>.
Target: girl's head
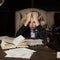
<point x="34" y="15"/>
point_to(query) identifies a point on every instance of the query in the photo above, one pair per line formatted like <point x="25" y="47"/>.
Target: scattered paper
<point x="19" y="53"/>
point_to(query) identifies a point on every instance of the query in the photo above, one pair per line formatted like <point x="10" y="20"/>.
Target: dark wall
<point x="57" y="19"/>
<point x="7" y="23"/>
<point x="7" y="15"/>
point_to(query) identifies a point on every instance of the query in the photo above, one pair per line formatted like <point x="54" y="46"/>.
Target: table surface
<point x="42" y="53"/>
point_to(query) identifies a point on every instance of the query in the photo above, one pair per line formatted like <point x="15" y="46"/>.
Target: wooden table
<point x="42" y="53"/>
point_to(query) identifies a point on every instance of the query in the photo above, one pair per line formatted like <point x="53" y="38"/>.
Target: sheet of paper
<point x="58" y="54"/>
<point x="6" y="39"/>
<point x="18" y="39"/>
<point x="32" y="42"/>
<point x="19" y="53"/>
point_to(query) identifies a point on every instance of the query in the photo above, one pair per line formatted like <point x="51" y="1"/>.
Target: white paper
<point x="58" y="54"/>
<point x="18" y="39"/>
<point x="6" y="39"/>
<point x="32" y="42"/>
<point x="9" y="42"/>
<point x="19" y="53"/>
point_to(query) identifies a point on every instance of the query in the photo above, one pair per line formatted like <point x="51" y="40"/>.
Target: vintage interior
<point x="11" y="19"/>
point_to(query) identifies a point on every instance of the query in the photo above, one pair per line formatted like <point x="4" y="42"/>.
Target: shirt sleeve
<point x="21" y="30"/>
<point x="41" y="32"/>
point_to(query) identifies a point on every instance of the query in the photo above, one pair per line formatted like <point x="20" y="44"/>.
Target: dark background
<point x="9" y="7"/>
<point x="57" y="19"/>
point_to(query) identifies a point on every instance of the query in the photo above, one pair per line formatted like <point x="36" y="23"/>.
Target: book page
<point x="18" y="39"/>
<point x="5" y="45"/>
<point x="9" y="42"/>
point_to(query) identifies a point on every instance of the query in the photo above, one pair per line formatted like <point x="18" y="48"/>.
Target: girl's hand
<point x="35" y="18"/>
<point x="28" y="18"/>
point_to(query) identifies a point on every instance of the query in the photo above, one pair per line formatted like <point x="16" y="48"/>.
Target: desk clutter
<point x="17" y="47"/>
<point x="19" y="53"/>
<point x="20" y="41"/>
<point x="9" y="42"/>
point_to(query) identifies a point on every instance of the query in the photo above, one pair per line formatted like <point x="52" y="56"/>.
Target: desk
<point x="42" y="53"/>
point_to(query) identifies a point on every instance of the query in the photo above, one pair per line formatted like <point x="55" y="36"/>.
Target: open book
<point x="14" y="42"/>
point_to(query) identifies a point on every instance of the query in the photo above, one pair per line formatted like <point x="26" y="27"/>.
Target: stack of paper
<point x="16" y="42"/>
<point x="19" y="53"/>
<point x="33" y="42"/>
